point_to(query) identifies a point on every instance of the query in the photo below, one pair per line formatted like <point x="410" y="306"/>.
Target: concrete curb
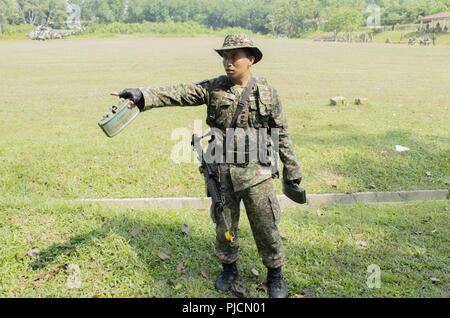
<point x="312" y="199"/>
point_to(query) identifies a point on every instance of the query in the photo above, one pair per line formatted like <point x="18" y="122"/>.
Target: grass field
<point x="404" y="36"/>
<point x="394" y="37"/>
<point x="51" y="150"/>
<point x="54" y="93"/>
<point x="328" y="251"/>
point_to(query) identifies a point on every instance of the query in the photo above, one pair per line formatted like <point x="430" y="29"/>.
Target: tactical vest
<point x="223" y="102"/>
<point x="256" y="114"/>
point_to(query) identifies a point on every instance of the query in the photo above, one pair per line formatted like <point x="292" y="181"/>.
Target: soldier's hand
<point x="295" y="182"/>
<point x="135" y="95"/>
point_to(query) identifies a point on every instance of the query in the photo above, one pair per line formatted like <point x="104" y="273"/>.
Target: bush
<point x="162" y="28"/>
<point x="16" y="31"/>
<point x="157" y="28"/>
<point x="182" y="28"/>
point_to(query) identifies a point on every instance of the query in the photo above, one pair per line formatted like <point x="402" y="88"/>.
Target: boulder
<point x="337" y="100"/>
<point x="361" y="100"/>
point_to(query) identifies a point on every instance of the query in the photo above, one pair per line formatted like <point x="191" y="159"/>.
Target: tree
<point x="343" y="19"/>
<point x="119" y="9"/>
<point x="8" y="9"/>
<point x="288" y="16"/>
<point x="54" y="12"/>
<point x="282" y="17"/>
<point x="42" y="11"/>
<point x="29" y="11"/>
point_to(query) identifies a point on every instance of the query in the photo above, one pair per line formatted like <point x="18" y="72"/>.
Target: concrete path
<point x="312" y="199"/>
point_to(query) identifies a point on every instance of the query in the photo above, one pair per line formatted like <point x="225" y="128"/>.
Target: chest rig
<point x="249" y="116"/>
<point x="223" y="101"/>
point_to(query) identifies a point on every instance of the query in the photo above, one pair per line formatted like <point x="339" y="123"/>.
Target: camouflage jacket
<point x="262" y="110"/>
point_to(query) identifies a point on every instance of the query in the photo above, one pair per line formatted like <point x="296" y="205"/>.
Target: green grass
<point x="51" y="150"/>
<point x="403" y="37"/>
<point x="16" y="32"/>
<point x="55" y="92"/>
<point x="131" y="30"/>
<point x="408" y="242"/>
<point x="394" y="37"/>
<point x="193" y="29"/>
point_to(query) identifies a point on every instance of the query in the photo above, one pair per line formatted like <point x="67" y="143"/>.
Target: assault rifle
<point x="212" y="188"/>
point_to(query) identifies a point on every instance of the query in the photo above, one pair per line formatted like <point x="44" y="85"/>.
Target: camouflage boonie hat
<point x="240" y="41"/>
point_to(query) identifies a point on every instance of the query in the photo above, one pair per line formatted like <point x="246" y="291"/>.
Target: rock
<point x="181" y="269"/>
<point x="136" y="232"/>
<point x="185" y="229"/>
<point x="261" y="287"/>
<point x="400" y="148"/>
<point x="205" y="273"/>
<point x="33" y="252"/>
<point x="358" y="237"/>
<point x="362" y="244"/>
<point x="70" y="250"/>
<point x="239" y="290"/>
<point x="337" y="100"/>
<point x="361" y="100"/>
<point x="434" y="280"/>
<point x="163" y="256"/>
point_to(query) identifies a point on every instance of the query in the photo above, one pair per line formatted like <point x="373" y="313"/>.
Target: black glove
<point x="295" y="182"/>
<point x="135" y="95"/>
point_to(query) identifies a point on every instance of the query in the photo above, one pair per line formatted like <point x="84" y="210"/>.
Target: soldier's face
<point x="237" y="63"/>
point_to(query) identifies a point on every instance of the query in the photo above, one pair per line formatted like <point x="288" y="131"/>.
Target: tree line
<point x="279" y="17"/>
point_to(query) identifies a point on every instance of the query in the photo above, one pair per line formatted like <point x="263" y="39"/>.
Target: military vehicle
<point x="44" y="32"/>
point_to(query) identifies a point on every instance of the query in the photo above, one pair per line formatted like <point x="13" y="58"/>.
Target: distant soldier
<point x="250" y="181"/>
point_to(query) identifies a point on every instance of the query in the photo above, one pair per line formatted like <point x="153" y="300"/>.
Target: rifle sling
<point x="240" y="106"/>
<point x="242" y="101"/>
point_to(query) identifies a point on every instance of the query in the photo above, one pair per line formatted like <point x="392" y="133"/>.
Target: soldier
<point x="250" y="181"/>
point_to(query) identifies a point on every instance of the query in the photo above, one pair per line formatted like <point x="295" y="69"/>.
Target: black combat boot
<point x="227" y="277"/>
<point x="275" y="283"/>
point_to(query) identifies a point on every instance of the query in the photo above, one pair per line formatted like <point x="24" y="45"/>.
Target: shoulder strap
<point x="242" y="101"/>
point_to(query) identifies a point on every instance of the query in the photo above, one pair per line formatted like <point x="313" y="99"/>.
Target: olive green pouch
<point x="118" y="117"/>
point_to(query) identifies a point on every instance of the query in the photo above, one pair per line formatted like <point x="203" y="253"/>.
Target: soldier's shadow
<point x="194" y="250"/>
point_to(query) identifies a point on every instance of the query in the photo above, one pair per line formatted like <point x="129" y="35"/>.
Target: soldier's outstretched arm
<point x="174" y="95"/>
<point x="278" y="120"/>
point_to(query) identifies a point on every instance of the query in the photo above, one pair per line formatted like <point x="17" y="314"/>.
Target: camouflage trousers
<point x="263" y="212"/>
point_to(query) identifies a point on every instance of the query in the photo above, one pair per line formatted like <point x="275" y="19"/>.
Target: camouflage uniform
<point x="252" y="181"/>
